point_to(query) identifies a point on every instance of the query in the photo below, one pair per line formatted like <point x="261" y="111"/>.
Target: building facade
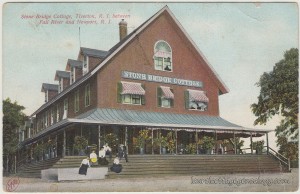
<point x="154" y="81"/>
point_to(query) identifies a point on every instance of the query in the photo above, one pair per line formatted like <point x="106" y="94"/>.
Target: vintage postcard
<point x="150" y="96"/>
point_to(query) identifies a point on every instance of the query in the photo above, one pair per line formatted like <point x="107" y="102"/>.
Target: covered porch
<point x="143" y="133"/>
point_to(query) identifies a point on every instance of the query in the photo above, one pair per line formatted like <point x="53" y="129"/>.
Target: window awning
<point x="167" y="93"/>
<point x="198" y="96"/>
<point x="132" y="88"/>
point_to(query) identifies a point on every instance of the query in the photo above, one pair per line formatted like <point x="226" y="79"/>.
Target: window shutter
<point x="143" y="99"/>
<point x="159" y="92"/>
<point x="187" y="99"/>
<point x="119" y="90"/>
<point x="172" y="100"/>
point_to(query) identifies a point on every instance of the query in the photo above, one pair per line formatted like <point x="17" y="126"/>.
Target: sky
<point x="241" y="41"/>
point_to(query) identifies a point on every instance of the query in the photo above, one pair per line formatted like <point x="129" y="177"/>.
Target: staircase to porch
<point x="164" y="165"/>
<point x="33" y="170"/>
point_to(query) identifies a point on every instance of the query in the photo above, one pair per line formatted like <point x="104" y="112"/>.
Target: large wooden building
<point x="155" y="80"/>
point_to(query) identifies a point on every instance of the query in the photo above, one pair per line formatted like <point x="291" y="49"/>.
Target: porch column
<point x="15" y="164"/>
<point x="234" y="142"/>
<point x="152" y="140"/>
<point x="55" y="146"/>
<point x="64" y="144"/>
<point x="99" y="135"/>
<point x="160" y="142"/>
<point x="267" y="139"/>
<point x="251" y="142"/>
<point x="43" y="151"/>
<point x="216" y="140"/>
<point x="196" y="138"/>
<point x="126" y="139"/>
<point x="176" y="145"/>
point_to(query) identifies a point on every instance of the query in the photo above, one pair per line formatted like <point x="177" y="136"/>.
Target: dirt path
<point x="234" y="182"/>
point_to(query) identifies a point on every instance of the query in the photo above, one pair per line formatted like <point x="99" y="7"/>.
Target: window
<point x="46" y="119"/>
<point x="87" y="95"/>
<point x="131" y="93"/>
<point x="65" y="115"/>
<point x="61" y="85"/>
<point x="85" y="67"/>
<point x="52" y="116"/>
<point x="57" y="113"/>
<point x="131" y="99"/>
<point x="165" y="97"/>
<point x="46" y="96"/>
<point x="196" y="100"/>
<point x="72" y="75"/>
<point x="162" y="56"/>
<point x="76" y="101"/>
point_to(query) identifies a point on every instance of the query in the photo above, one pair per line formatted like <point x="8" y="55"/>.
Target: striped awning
<point x="198" y="96"/>
<point x="132" y="88"/>
<point x="166" y="92"/>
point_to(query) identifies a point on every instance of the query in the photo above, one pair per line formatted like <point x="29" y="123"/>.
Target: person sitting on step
<point x="102" y="159"/>
<point x="116" y="167"/>
<point x="93" y="157"/>
<point x="107" y="150"/>
<point x="85" y="164"/>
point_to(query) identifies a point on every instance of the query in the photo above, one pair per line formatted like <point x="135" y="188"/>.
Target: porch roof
<point x="154" y="120"/>
<point x="161" y="120"/>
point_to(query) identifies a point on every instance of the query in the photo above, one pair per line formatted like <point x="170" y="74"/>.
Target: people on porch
<point x="93" y="157"/>
<point x="107" y="150"/>
<point x="102" y="159"/>
<point x="85" y="164"/>
<point x="122" y="153"/>
<point x="116" y="167"/>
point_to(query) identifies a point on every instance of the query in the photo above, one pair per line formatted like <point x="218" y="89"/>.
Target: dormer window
<point x="85" y="66"/>
<point x="162" y="56"/>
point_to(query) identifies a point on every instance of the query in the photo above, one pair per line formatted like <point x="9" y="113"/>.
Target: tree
<point x="13" y="118"/>
<point x="279" y="96"/>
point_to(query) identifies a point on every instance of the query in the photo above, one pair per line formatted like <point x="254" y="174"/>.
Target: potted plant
<point x="171" y="142"/>
<point x="37" y="152"/>
<point x="191" y="148"/>
<point x="239" y="144"/>
<point x="207" y="143"/>
<point x="258" y="146"/>
<point x="112" y="140"/>
<point x="80" y="144"/>
<point x="142" y="138"/>
<point x="49" y="146"/>
<point x="225" y="143"/>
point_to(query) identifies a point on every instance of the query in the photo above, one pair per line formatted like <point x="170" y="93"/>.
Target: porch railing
<point x="283" y="160"/>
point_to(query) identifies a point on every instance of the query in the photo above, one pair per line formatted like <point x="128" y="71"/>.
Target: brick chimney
<point x="123" y="29"/>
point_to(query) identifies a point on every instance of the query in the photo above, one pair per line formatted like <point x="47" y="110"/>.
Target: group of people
<point x="93" y="159"/>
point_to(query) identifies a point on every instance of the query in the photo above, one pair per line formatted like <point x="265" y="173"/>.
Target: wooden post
<point x="196" y="139"/>
<point x="160" y="142"/>
<point x="43" y="151"/>
<point x="234" y="142"/>
<point x="152" y="141"/>
<point x="56" y="148"/>
<point x="64" y="144"/>
<point x="15" y="164"/>
<point x="99" y="136"/>
<point x="126" y="139"/>
<point x="176" y="144"/>
<point x="267" y="139"/>
<point x="251" y="142"/>
<point x="216" y="142"/>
